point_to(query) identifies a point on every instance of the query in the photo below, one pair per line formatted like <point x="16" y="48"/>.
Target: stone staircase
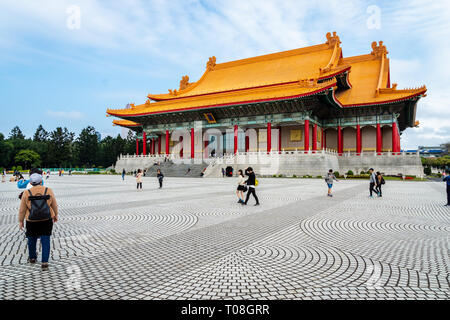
<point x="170" y="169"/>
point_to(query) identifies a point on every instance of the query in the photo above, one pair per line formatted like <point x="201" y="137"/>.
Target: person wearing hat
<point x="39" y="210"/>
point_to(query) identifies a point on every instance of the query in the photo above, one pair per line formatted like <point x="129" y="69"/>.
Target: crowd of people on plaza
<point x="38" y="209"/>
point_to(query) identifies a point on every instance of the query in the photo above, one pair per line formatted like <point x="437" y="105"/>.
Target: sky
<point x="64" y="62"/>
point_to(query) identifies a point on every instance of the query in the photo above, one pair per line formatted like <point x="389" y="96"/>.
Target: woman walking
<point x="39" y="209"/>
<point x="139" y="179"/>
<point x="241" y="188"/>
<point x="379" y="181"/>
<point x="160" y="177"/>
<point x="3" y="175"/>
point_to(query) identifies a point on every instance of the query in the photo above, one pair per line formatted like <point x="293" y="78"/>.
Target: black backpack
<point x="39" y="207"/>
<point x="382" y="180"/>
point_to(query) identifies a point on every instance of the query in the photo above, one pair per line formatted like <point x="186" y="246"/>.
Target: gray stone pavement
<point x="192" y="240"/>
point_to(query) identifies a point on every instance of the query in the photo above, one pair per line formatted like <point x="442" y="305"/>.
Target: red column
<point x="206" y="147"/>
<point x="192" y="144"/>
<point x="395" y="138"/>
<point x="167" y="142"/>
<point x="144" y="143"/>
<point x="269" y="137"/>
<point x="279" y="140"/>
<point x="340" y="140"/>
<point x="358" y="140"/>
<point x="306" y="135"/>
<point x="314" y="138"/>
<point x="159" y="144"/>
<point x="235" y="139"/>
<point x="379" y="139"/>
<point x="181" y="151"/>
<point x="247" y="143"/>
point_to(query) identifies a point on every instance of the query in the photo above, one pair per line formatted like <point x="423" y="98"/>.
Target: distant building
<point x="433" y="151"/>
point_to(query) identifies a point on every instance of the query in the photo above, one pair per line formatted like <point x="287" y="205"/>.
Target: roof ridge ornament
<point x="307" y="83"/>
<point x="379" y="51"/>
<point x="184" y="82"/>
<point x="211" y="64"/>
<point x="332" y="40"/>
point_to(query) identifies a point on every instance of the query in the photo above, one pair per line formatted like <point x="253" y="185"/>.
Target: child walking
<point x="139" y="179"/>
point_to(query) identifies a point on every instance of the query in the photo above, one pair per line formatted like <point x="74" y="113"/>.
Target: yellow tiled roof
<point x="282" y="75"/>
<point x="125" y="123"/>
<point x="276" y="68"/>
<point x="367" y="73"/>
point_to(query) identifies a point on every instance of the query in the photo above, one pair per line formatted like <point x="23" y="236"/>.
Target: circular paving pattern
<point x="192" y="239"/>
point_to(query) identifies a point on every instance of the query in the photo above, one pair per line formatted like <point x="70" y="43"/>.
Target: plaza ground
<point x="192" y="240"/>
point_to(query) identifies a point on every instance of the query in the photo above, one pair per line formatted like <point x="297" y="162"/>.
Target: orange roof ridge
<point x="404" y="90"/>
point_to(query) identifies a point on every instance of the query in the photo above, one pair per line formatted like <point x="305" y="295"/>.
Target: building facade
<point x="306" y="99"/>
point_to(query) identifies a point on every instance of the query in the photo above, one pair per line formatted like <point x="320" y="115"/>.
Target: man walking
<point x="447" y="180"/>
<point x="251" y="183"/>
<point x="373" y="181"/>
<point x="329" y="180"/>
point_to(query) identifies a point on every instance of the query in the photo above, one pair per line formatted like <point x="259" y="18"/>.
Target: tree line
<point x="61" y="149"/>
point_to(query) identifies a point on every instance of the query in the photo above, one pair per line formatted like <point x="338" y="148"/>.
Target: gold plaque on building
<point x="210" y="118"/>
<point x="296" y="134"/>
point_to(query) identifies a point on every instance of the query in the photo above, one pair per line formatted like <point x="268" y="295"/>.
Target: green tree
<point x="6" y="152"/>
<point x="60" y="147"/>
<point x="41" y="135"/>
<point x="16" y="133"/>
<point x="87" y="146"/>
<point x="28" y="158"/>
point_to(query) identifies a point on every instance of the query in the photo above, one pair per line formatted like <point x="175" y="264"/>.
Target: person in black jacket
<point x="160" y="177"/>
<point x="251" y="181"/>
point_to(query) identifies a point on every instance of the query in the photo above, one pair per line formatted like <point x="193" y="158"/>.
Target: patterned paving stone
<point x="192" y="240"/>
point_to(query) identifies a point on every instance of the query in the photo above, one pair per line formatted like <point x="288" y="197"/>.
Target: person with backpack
<point x="446" y="178"/>
<point x="329" y="180"/>
<point x="38" y="210"/>
<point x="251" y="184"/>
<point x="241" y="188"/>
<point x="379" y="181"/>
<point x="160" y="177"/>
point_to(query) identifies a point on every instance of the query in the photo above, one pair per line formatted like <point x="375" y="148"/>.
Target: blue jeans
<point x="45" y="242"/>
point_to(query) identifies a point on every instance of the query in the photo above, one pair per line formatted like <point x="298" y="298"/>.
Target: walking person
<point x="123" y="174"/>
<point x="251" y="184"/>
<point x="223" y="173"/>
<point x="241" y="188"/>
<point x="139" y="179"/>
<point x="160" y="177"/>
<point x="447" y="180"/>
<point x="329" y="180"/>
<point x="3" y="175"/>
<point x="373" y="181"/>
<point x="48" y="175"/>
<point x="379" y="182"/>
<point x="38" y="208"/>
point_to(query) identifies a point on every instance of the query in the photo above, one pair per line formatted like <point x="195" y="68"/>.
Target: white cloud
<point x="65" y="114"/>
